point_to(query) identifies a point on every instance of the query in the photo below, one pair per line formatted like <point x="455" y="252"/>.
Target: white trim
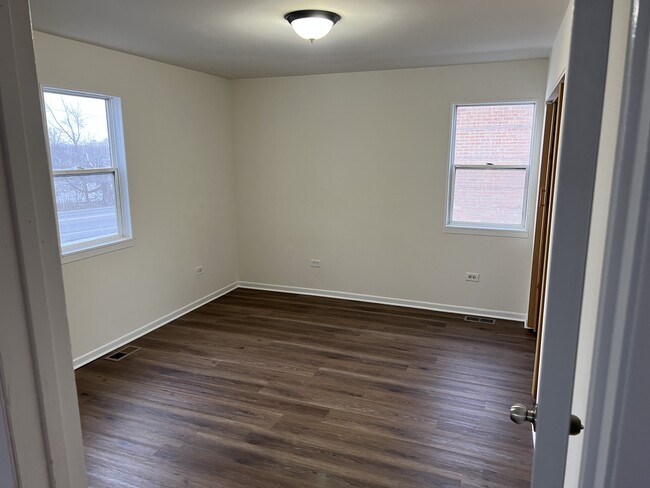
<point x="40" y="393"/>
<point x="497" y="230"/>
<point x="485" y="231"/>
<point x="115" y="129"/>
<point x="97" y="249"/>
<point x="399" y="302"/>
<point x="151" y="326"/>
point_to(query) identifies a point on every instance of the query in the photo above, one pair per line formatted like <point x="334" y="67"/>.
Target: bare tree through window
<point x="85" y="173"/>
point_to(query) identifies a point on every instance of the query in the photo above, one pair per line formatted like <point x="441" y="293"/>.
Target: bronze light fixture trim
<point x="312" y="24"/>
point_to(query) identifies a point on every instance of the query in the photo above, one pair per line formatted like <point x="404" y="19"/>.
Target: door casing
<point x="42" y="413"/>
<point x="544" y="214"/>
<point x="615" y="451"/>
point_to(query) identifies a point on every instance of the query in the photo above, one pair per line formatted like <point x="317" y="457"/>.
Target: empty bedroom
<point x="308" y="244"/>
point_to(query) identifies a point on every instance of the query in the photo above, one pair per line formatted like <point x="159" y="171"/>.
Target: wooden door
<point x="543" y="218"/>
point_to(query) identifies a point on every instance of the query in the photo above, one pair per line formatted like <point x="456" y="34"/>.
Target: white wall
<point x="352" y="169"/>
<point x="598" y="228"/>
<point x="559" y="59"/>
<point x="178" y="144"/>
<point x="348" y="168"/>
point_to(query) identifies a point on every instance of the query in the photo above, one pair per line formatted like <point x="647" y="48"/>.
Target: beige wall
<point x="177" y="126"/>
<point x="352" y="169"/>
<point x="598" y="228"/>
<point x="559" y="59"/>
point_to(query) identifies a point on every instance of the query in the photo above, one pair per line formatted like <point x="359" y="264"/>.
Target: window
<point x="491" y="150"/>
<point x="88" y="170"/>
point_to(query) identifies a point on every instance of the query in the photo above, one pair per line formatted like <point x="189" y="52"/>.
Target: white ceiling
<point x="250" y="38"/>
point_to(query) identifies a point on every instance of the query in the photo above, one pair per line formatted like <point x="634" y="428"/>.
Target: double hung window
<point x="489" y="167"/>
<point x="88" y="165"/>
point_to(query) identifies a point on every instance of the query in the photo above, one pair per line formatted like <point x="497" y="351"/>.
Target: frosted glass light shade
<point x="312" y="28"/>
<point x="312" y="24"/>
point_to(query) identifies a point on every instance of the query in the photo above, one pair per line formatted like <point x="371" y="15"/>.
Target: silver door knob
<point x="521" y="413"/>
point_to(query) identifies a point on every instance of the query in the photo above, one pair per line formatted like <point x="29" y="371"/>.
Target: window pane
<point x="78" y="131"/>
<point x="86" y="207"/>
<point x="489" y="196"/>
<point x="496" y="134"/>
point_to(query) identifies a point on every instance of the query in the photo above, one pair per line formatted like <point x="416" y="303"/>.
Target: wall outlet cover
<point x="475" y="277"/>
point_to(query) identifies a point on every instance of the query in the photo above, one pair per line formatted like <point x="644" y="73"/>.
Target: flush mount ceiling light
<point x="312" y="24"/>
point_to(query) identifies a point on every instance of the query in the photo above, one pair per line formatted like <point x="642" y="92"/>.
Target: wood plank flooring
<point x="262" y="389"/>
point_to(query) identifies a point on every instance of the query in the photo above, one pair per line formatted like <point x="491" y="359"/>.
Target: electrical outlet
<point x="314" y="263"/>
<point x="472" y="277"/>
<point x="199" y="270"/>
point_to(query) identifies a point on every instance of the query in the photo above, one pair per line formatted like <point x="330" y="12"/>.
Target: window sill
<point x="96" y="250"/>
<point x="483" y="231"/>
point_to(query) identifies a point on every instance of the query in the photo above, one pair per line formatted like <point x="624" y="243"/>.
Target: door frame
<point x="552" y="118"/>
<point x="544" y="214"/>
<point x="615" y="449"/>
<point x="583" y="104"/>
<point x="39" y="395"/>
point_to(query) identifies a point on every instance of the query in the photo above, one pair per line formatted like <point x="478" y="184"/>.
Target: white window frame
<point x="479" y="228"/>
<point x="124" y="236"/>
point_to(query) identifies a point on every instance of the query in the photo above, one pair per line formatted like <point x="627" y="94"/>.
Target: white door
<point x="585" y="86"/>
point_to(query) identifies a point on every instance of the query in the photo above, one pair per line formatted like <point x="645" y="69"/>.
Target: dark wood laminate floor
<point x="261" y="389"/>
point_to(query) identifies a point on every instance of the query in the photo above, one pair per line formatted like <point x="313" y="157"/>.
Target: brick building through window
<point x="489" y="166"/>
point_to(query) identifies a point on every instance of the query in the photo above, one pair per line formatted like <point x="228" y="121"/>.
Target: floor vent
<point x="122" y="353"/>
<point x="480" y="320"/>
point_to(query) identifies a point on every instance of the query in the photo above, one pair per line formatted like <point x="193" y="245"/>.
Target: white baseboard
<point x="145" y="329"/>
<point x="497" y="314"/>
